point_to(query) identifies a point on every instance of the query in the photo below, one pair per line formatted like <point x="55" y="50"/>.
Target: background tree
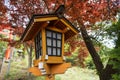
<point x="76" y="51"/>
<point x="114" y="33"/>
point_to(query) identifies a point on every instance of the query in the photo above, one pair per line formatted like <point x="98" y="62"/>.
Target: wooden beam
<point x="54" y="29"/>
<point x="45" y="19"/>
<point x="65" y="30"/>
<point x="43" y="44"/>
<point x="35" y="71"/>
<point x="45" y="24"/>
<point x="27" y="32"/>
<point x="53" y="60"/>
<point x="75" y="31"/>
<point x="56" y="22"/>
<point x="60" y="68"/>
<point x="33" y="30"/>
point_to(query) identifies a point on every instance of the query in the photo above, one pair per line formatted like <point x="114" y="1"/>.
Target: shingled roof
<point x="39" y="20"/>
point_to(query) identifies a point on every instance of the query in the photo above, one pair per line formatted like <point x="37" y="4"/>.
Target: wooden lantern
<point x="49" y="31"/>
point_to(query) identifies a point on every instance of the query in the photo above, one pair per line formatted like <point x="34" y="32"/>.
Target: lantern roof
<point x="39" y="21"/>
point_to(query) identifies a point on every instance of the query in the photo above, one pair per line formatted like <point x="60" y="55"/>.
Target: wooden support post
<point x="50" y="77"/>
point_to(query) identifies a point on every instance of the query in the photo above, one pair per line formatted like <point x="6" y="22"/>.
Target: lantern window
<point x="38" y="45"/>
<point x="54" y="43"/>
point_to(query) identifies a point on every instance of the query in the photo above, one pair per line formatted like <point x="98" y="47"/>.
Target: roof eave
<point x="44" y="17"/>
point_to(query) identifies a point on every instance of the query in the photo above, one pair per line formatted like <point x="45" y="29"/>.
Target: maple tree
<point x="76" y="43"/>
<point x="82" y="13"/>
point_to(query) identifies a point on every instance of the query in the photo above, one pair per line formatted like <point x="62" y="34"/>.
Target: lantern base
<point x="49" y="69"/>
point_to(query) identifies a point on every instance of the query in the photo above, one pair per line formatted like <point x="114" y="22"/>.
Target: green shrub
<point x="115" y="61"/>
<point x="73" y="59"/>
<point x="89" y="62"/>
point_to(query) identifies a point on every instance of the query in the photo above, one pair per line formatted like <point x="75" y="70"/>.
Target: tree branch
<point x="46" y="5"/>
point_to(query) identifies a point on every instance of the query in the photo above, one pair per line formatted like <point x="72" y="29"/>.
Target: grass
<point x="77" y="73"/>
<point x="18" y="71"/>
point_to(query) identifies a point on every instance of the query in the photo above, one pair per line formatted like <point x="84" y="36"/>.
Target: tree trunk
<point x="29" y="51"/>
<point x="96" y="58"/>
<point x="108" y="71"/>
<point x="30" y="56"/>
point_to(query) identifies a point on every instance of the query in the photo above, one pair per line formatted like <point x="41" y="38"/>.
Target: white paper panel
<point x="58" y="52"/>
<point x="54" y="51"/>
<point x="58" y="43"/>
<point x="49" y="51"/>
<point x="49" y="34"/>
<point x="49" y="42"/>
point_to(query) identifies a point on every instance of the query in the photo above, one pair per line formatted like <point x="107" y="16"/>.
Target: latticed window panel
<point x="53" y="43"/>
<point x="38" y="45"/>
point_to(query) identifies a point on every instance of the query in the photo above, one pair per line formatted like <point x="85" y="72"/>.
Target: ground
<point x="18" y="71"/>
<point x="77" y="73"/>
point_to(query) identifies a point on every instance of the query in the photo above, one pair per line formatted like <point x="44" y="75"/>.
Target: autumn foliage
<point x="76" y="43"/>
<point x="17" y="13"/>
